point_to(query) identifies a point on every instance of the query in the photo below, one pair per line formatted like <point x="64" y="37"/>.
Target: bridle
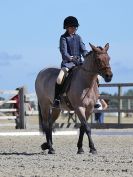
<point x="99" y="70"/>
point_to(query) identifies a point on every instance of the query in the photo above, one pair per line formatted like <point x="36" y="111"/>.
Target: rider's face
<point x="72" y="29"/>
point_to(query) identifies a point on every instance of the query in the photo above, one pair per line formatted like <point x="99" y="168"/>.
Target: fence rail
<point x="24" y="98"/>
<point x="118" y="110"/>
<point x="8" y="110"/>
<point x="10" y="92"/>
<point x="20" y="118"/>
<point x="119" y="97"/>
<point x="10" y="101"/>
<point x="8" y="117"/>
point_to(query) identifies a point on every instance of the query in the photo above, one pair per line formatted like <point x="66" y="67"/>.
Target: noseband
<point x="100" y="70"/>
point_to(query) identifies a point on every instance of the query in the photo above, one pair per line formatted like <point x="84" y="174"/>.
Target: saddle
<point x="66" y="86"/>
<point x="67" y="82"/>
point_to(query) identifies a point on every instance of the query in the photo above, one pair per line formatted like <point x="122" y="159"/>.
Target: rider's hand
<point x="71" y="58"/>
<point x="74" y="60"/>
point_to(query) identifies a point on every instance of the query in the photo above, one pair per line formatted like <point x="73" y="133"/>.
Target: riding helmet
<point x="70" y="21"/>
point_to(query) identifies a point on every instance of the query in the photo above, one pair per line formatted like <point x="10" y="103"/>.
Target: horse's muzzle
<point x="108" y="77"/>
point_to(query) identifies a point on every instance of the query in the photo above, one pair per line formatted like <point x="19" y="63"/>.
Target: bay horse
<point x="82" y="94"/>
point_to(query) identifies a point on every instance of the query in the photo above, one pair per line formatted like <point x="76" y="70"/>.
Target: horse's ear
<point x="106" y="46"/>
<point x="94" y="48"/>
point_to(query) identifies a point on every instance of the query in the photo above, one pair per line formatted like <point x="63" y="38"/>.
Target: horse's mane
<point x="89" y="53"/>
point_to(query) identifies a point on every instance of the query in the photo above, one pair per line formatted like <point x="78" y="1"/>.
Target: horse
<point x="82" y="94"/>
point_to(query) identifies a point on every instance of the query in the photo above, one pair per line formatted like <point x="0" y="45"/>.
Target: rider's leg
<point x="62" y="74"/>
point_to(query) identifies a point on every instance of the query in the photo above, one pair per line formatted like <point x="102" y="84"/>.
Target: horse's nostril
<point x="107" y="76"/>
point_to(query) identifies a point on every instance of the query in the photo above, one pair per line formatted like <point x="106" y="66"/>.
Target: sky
<point x="30" y="32"/>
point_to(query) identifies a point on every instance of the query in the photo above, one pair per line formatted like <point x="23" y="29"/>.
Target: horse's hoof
<point x="93" y="151"/>
<point x="44" y="146"/>
<point x="51" y="151"/>
<point x="80" y="151"/>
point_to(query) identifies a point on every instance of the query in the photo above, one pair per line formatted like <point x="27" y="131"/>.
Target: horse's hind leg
<point x="45" y="126"/>
<point x="49" y="134"/>
<point x="52" y="115"/>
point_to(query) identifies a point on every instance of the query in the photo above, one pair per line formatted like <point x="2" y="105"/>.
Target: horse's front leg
<point x="81" y="112"/>
<point x="80" y="140"/>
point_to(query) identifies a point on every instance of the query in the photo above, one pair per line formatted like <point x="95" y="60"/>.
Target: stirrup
<point x="56" y="103"/>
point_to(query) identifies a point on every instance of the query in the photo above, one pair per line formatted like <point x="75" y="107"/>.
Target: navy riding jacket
<point x="71" y="45"/>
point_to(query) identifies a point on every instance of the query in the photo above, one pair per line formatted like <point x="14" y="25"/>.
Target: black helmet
<point x="70" y="21"/>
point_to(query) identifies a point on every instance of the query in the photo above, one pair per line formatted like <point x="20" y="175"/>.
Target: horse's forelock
<point x="102" y="50"/>
<point x="100" y="47"/>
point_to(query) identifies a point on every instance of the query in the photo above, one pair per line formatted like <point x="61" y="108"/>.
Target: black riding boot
<point x="56" y="102"/>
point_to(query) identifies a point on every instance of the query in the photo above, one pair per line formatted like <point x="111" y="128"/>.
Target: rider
<point x="71" y="48"/>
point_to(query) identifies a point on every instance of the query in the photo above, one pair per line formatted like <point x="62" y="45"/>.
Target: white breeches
<point x="62" y="74"/>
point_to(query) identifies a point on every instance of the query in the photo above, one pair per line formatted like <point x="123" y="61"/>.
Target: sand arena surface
<point x="23" y="157"/>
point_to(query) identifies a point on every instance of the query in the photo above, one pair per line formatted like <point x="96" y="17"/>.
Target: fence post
<point x="22" y="108"/>
<point x="128" y="106"/>
<point x="119" y="103"/>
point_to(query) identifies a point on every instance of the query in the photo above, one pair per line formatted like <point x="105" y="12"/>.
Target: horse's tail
<point x="41" y="121"/>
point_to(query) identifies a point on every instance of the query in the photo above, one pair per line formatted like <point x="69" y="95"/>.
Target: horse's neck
<point x="88" y="72"/>
<point x="90" y="65"/>
<point x="84" y="79"/>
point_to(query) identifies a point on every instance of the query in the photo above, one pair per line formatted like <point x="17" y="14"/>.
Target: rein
<point x="90" y="72"/>
<point x="86" y="70"/>
<point x="87" y="91"/>
<point x="99" y="71"/>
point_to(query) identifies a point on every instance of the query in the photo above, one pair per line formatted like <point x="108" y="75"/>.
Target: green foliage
<point x="129" y="92"/>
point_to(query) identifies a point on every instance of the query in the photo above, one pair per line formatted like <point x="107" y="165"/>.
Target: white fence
<point x="25" y="98"/>
<point x="9" y="112"/>
<point x="4" y="111"/>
